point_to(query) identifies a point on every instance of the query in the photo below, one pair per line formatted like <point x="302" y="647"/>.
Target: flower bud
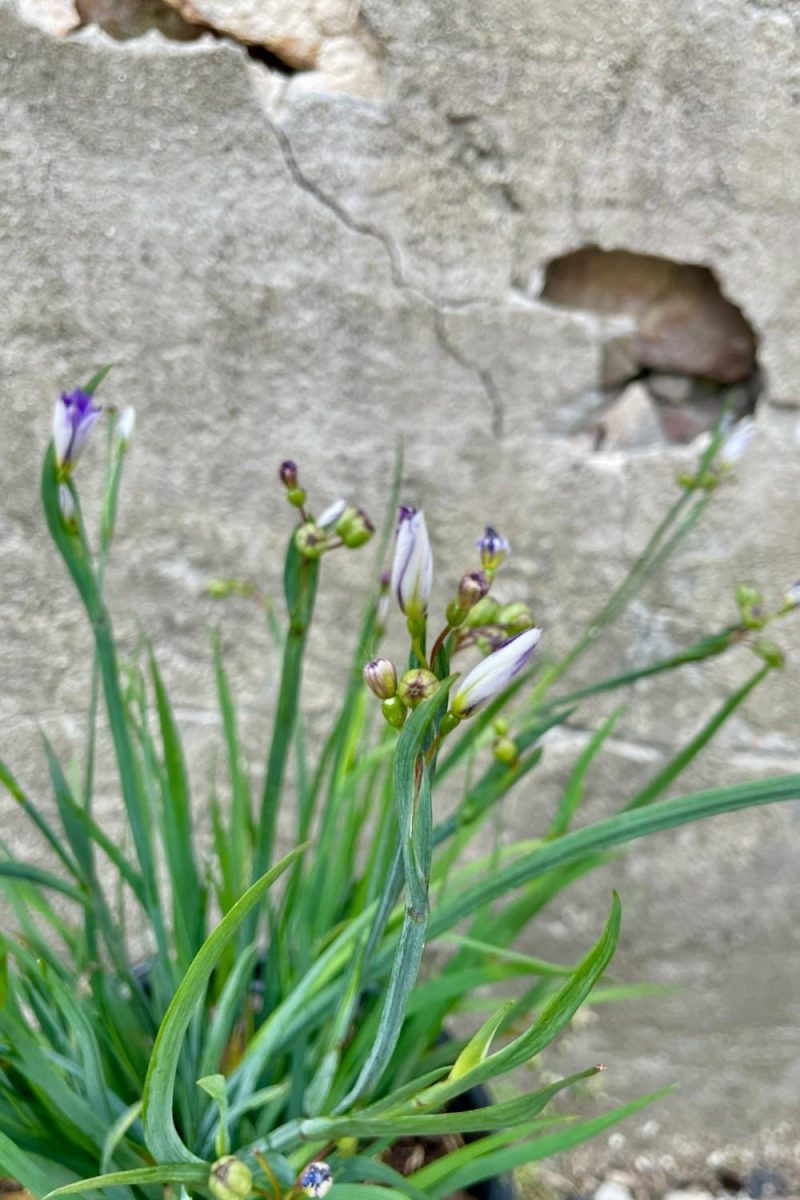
<point x="380" y="676"/>
<point x="473" y="588"/>
<point x="230" y="1179"/>
<point x="311" y="540"/>
<point x="751" y="606"/>
<point x="493" y="549"/>
<point x="506" y="751"/>
<point x="515" y="617"/>
<point x="67" y="505"/>
<point x="771" y="653"/>
<point x="354" y="527"/>
<point x="125" y="423"/>
<point x="328" y="518"/>
<point x="412" y="566"/>
<point x="316" y="1180"/>
<point x="394" y="711"/>
<point x="496" y="672"/>
<point x="417" y="685"/>
<point x="288" y="474"/>
<point x="736" y="442"/>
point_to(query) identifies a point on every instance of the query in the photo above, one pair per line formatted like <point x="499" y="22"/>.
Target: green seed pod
<point x="515" y="617"/>
<point x="310" y="540"/>
<point x="230" y="1179"/>
<point x="484" y="613"/>
<point x="416" y="686"/>
<point x="505" y="751"/>
<point x="771" y="653"/>
<point x="354" y="527"/>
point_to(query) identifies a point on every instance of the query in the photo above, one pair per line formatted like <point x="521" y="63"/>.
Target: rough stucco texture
<point x="282" y="271"/>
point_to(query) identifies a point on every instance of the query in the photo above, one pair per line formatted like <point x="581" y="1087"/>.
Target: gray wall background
<point x="314" y="266"/>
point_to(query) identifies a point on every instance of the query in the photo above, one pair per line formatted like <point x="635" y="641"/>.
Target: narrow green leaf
<point x="77" y="558"/>
<point x="160" y="1133"/>
<point x="31" y="874"/>
<point x="37" y="1177"/>
<point x="187" y="892"/>
<point x="555" y="1015"/>
<point x="614" y="831"/>
<point x="456" y="1172"/>
<point x="573" y="792"/>
<point x="29" y="808"/>
<point x="228" y="1008"/>
<point x="94" y="383"/>
<point x="170" y="1173"/>
<point x="660" y="782"/>
<point x="117" y="1132"/>
<point x="480" y="1043"/>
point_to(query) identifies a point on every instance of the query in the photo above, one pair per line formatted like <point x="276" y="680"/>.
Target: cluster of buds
<point x="505" y="632"/>
<point x="398" y="695"/>
<point x="341" y="524"/>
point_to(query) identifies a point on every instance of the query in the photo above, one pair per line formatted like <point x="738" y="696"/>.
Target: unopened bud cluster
<point x="505" y="632"/>
<point x="341" y="524"/>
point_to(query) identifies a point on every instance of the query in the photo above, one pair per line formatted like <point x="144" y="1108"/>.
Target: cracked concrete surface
<point x="284" y="271"/>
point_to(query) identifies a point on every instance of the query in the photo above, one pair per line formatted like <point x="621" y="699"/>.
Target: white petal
<point x="495" y="672"/>
<point x="62" y="431"/>
<point x="125" y="423"/>
<point x="331" y="514"/>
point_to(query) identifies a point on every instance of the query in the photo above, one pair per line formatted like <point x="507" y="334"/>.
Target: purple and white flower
<point x="74" y="416"/>
<point x="793" y="595"/>
<point x="316" y="1180"/>
<point x="493" y="549"/>
<point x="412" y="568"/>
<point x="494" y="673"/>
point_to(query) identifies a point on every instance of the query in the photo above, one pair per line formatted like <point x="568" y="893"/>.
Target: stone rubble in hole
<point x="675" y="350"/>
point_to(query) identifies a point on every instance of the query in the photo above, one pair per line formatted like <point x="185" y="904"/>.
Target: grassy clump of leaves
<point x="279" y="1038"/>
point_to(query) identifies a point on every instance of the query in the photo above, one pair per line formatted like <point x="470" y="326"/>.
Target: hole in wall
<point x="125" y="20"/>
<point x="676" y="349"/>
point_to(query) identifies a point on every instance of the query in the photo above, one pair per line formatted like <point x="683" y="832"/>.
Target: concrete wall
<point x="319" y="263"/>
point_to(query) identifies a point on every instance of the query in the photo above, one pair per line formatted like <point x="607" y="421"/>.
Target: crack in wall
<point x="438" y="307"/>
<point x="496" y="407"/>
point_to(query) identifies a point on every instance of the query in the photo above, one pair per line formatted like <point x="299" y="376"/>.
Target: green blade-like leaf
<point x="14" y="870"/>
<point x="39" y="1178"/>
<point x="477" y="1161"/>
<point x="187" y="892"/>
<point x="573" y="792"/>
<point x="508" y="1114"/>
<point x="680" y="762"/>
<point x="173" y="1173"/>
<point x="614" y="831"/>
<point x="94" y="383"/>
<point x="555" y="1015"/>
<point x="480" y="1043"/>
<point x="160" y="1133"/>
